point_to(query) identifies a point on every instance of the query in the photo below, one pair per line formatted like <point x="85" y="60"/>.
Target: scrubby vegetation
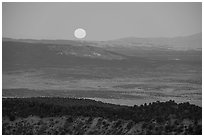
<point x="84" y="116"/>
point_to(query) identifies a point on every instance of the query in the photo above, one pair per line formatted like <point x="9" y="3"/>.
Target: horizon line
<point x="100" y="40"/>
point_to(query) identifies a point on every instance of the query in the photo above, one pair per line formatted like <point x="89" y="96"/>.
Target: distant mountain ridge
<point x="192" y="42"/>
<point x="20" y="52"/>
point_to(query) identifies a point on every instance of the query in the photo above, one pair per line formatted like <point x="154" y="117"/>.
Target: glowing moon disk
<point x="80" y="33"/>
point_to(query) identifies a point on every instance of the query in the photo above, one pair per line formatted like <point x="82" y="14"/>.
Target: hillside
<point x="182" y="43"/>
<point x="54" y="52"/>
<point x="83" y="116"/>
<point x="21" y="54"/>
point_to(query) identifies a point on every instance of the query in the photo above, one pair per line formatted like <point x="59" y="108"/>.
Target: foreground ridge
<point x="45" y="115"/>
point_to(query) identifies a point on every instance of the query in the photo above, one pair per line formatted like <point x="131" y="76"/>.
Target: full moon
<point x="80" y="33"/>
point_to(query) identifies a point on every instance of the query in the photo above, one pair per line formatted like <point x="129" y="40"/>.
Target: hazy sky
<point x="102" y="21"/>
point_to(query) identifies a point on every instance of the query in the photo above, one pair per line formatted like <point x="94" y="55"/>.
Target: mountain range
<point x="53" y="52"/>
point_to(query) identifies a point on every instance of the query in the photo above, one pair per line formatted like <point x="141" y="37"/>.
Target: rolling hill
<point x="122" y="51"/>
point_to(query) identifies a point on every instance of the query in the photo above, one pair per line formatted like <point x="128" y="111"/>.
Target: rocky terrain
<point x="98" y="126"/>
<point x="82" y="116"/>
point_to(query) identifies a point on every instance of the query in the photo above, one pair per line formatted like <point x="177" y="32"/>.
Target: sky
<point x="102" y="21"/>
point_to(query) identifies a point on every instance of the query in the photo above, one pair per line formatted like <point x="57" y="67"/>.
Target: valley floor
<point x="133" y="88"/>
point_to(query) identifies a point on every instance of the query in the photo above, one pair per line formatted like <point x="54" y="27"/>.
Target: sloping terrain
<point x="192" y="42"/>
<point x="121" y="71"/>
<point x="96" y="126"/>
<point x="83" y="116"/>
<point x="175" y="48"/>
<point x="21" y="54"/>
<point x="121" y="52"/>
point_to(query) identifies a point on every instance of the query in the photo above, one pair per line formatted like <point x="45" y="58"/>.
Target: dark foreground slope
<point x="84" y="116"/>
